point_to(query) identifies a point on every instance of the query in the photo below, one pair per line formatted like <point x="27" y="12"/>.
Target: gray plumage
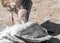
<point x="29" y="31"/>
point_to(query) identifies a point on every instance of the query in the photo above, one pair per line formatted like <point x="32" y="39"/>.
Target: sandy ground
<point x="45" y="12"/>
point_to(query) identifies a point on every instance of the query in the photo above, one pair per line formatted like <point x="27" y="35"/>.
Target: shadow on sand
<point x="27" y="4"/>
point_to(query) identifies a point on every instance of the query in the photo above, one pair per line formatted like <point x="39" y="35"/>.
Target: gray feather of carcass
<point x="29" y="31"/>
